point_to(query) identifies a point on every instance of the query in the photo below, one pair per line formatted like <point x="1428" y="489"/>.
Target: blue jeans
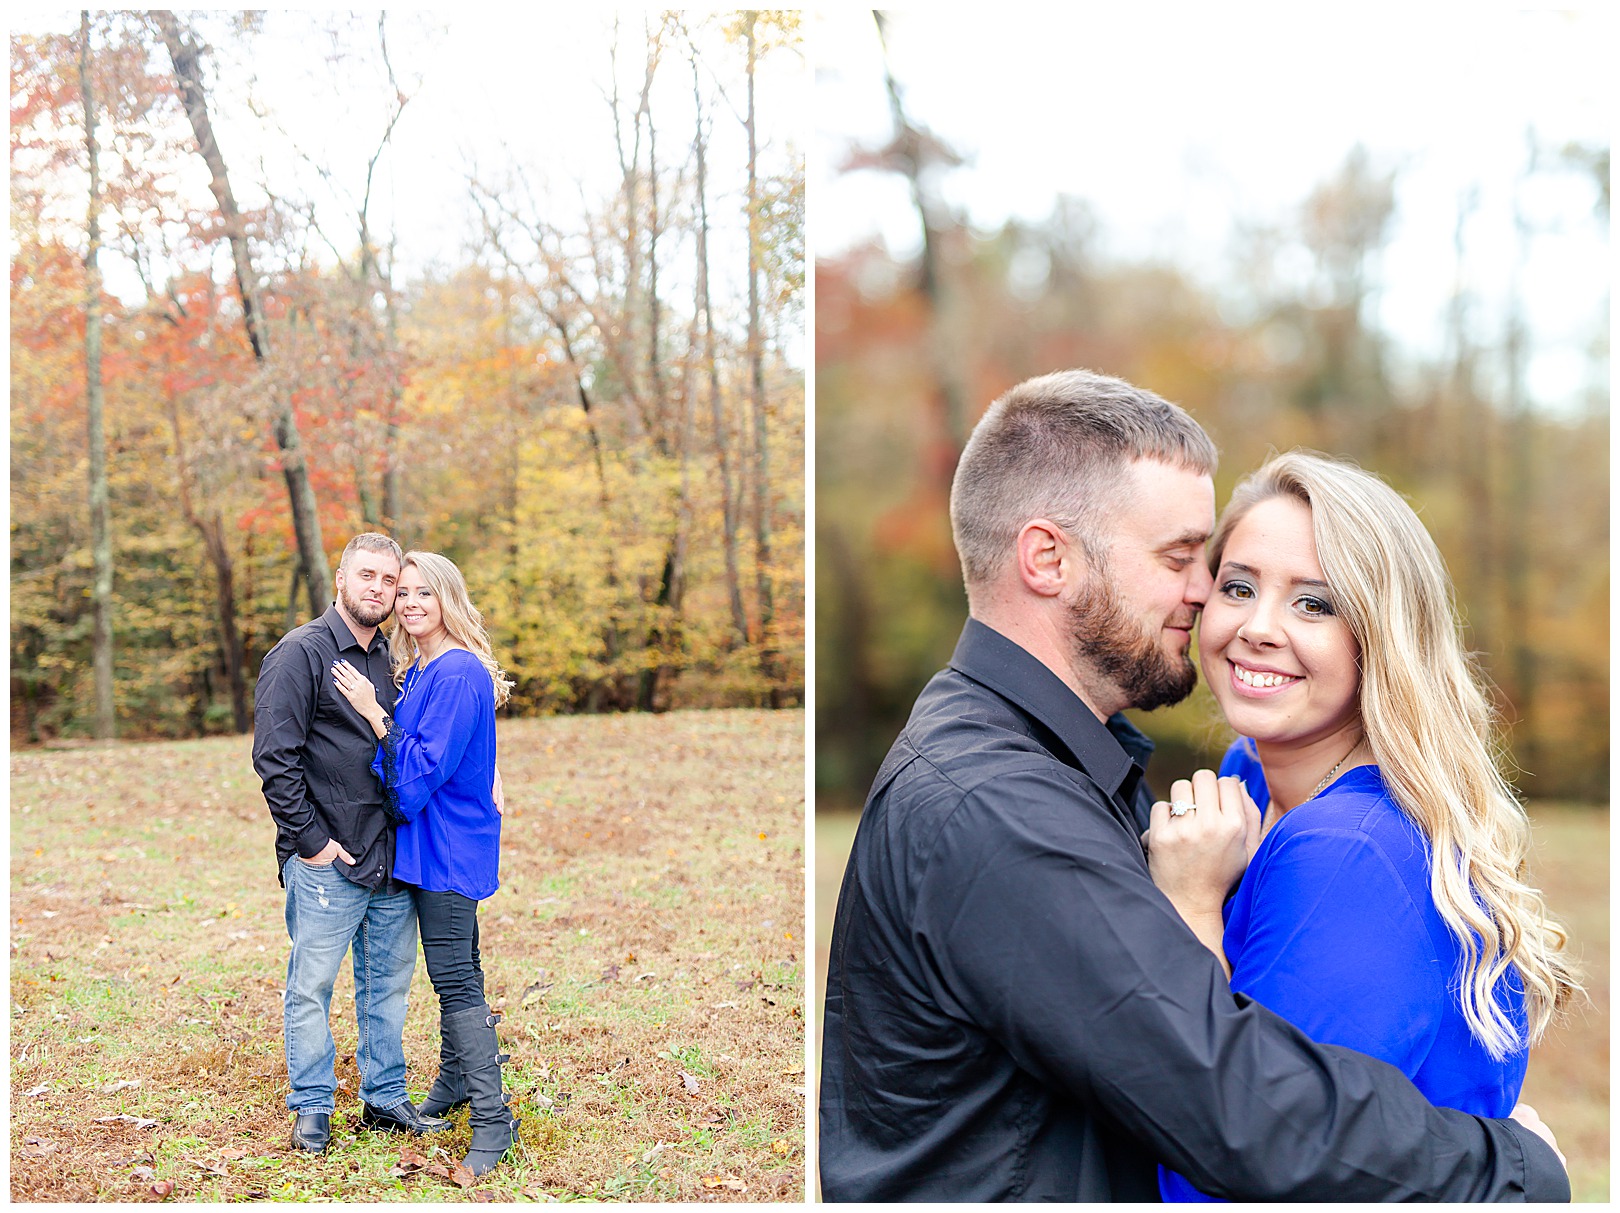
<point x="326" y="915"/>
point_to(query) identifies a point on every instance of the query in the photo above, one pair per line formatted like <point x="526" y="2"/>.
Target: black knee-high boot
<point x="471" y="1034"/>
<point x="448" y="1091"/>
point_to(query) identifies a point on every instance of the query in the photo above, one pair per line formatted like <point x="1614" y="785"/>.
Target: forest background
<point x="541" y="311"/>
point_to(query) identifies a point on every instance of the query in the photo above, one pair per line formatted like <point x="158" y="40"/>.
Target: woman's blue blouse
<point x="437" y="765"/>
<point x="1333" y="927"/>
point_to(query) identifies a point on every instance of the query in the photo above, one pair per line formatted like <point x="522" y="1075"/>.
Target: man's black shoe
<point x="401" y="1118"/>
<point x="312" y="1131"/>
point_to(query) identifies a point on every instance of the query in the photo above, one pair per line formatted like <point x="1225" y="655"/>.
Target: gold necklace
<point x="1328" y="778"/>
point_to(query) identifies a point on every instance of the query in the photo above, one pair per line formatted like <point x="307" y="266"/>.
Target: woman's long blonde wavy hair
<point x="461" y="619"/>
<point x="1432" y="730"/>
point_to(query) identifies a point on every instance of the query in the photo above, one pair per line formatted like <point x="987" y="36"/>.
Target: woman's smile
<point x="1258" y="680"/>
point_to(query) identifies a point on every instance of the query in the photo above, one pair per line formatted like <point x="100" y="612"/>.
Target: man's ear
<point x="1048" y="560"/>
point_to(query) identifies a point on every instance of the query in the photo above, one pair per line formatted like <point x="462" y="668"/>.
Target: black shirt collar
<point x="344" y="636"/>
<point x="1135" y="742"/>
<point x="1113" y="754"/>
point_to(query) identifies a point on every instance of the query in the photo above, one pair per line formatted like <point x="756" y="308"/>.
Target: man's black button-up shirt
<point x="313" y="750"/>
<point x="1015" y="1012"/>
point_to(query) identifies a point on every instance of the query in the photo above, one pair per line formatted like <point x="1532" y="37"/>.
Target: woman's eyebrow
<point x="1234" y="566"/>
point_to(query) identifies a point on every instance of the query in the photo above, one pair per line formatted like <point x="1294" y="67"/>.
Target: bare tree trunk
<point x="655" y="362"/>
<point x="756" y="365"/>
<point x="1464" y="439"/>
<point x="913" y="154"/>
<point x="212" y="530"/>
<point x="300" y="493"/>
<point x="658" y="636"/>
<point x="624" y="344"/>
<point x="292" y="595"/>
<point x="100" y="536"/>
<point x="668" y="636"/>
<point x="392" y="393"/>
<point x="1518" y="625"/>
<point x="362" y="487"/>
<point x="722" y="444"/>
<point x="390" y="495"/>
<point x="611" y="639"/>
<point x="230" y="640"/>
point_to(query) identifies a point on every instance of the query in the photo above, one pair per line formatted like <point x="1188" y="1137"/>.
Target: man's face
<point x="366" y="586"/>
<point x="1132" y="619"/>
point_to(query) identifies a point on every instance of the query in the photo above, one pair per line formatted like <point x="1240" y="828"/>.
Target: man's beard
<point x="365" y="616"/>
<point x="1117" y="647"/>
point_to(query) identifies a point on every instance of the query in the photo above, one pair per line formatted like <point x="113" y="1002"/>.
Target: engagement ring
<point x="1180" y="808"/>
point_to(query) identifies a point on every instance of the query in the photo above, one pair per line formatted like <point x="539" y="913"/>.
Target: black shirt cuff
<point x="312" y="839"/>
<point x="1545" y="1180"/>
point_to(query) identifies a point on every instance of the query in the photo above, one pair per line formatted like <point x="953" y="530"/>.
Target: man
<point x="1013" y="1010"/>
<point x="335" y="851"/>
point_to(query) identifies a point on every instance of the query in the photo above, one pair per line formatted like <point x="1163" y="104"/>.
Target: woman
<point x="1385" y="906"/>
<point x="437" y="763"/>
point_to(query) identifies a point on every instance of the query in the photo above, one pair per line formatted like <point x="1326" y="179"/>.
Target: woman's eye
<point x="1315" y="606"/>
<point x="1238" y="589"/>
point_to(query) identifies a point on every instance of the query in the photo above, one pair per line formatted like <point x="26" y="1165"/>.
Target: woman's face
<point x="417" y="606"/>
<point x="1283" y="667"/>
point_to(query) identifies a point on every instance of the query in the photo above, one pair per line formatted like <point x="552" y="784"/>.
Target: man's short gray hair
<point x="370" y="541"/>
<point x="1056" y="447"/>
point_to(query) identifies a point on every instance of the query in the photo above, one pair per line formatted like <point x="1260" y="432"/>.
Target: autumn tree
<point x="187" y="60"/>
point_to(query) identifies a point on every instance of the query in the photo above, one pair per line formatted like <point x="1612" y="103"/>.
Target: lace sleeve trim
<point x="389" y="751"/>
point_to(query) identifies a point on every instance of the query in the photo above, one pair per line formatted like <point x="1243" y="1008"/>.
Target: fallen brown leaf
<point x="138" y="1121"/>
<point x="539" y="987"/>
<point x="462" y="1177"/>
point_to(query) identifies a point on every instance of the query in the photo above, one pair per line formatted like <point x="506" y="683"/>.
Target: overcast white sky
<point x="1172" y="119"/>
<point x="1169" y="119"/>
<point x="493" y="88"/>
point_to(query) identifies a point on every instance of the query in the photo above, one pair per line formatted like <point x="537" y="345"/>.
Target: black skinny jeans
<point x="449" y="926"/>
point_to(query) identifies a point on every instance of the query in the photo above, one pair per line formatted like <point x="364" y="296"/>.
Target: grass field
<point x="1568" y="1082"/>
<point x="646" y="946"/>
